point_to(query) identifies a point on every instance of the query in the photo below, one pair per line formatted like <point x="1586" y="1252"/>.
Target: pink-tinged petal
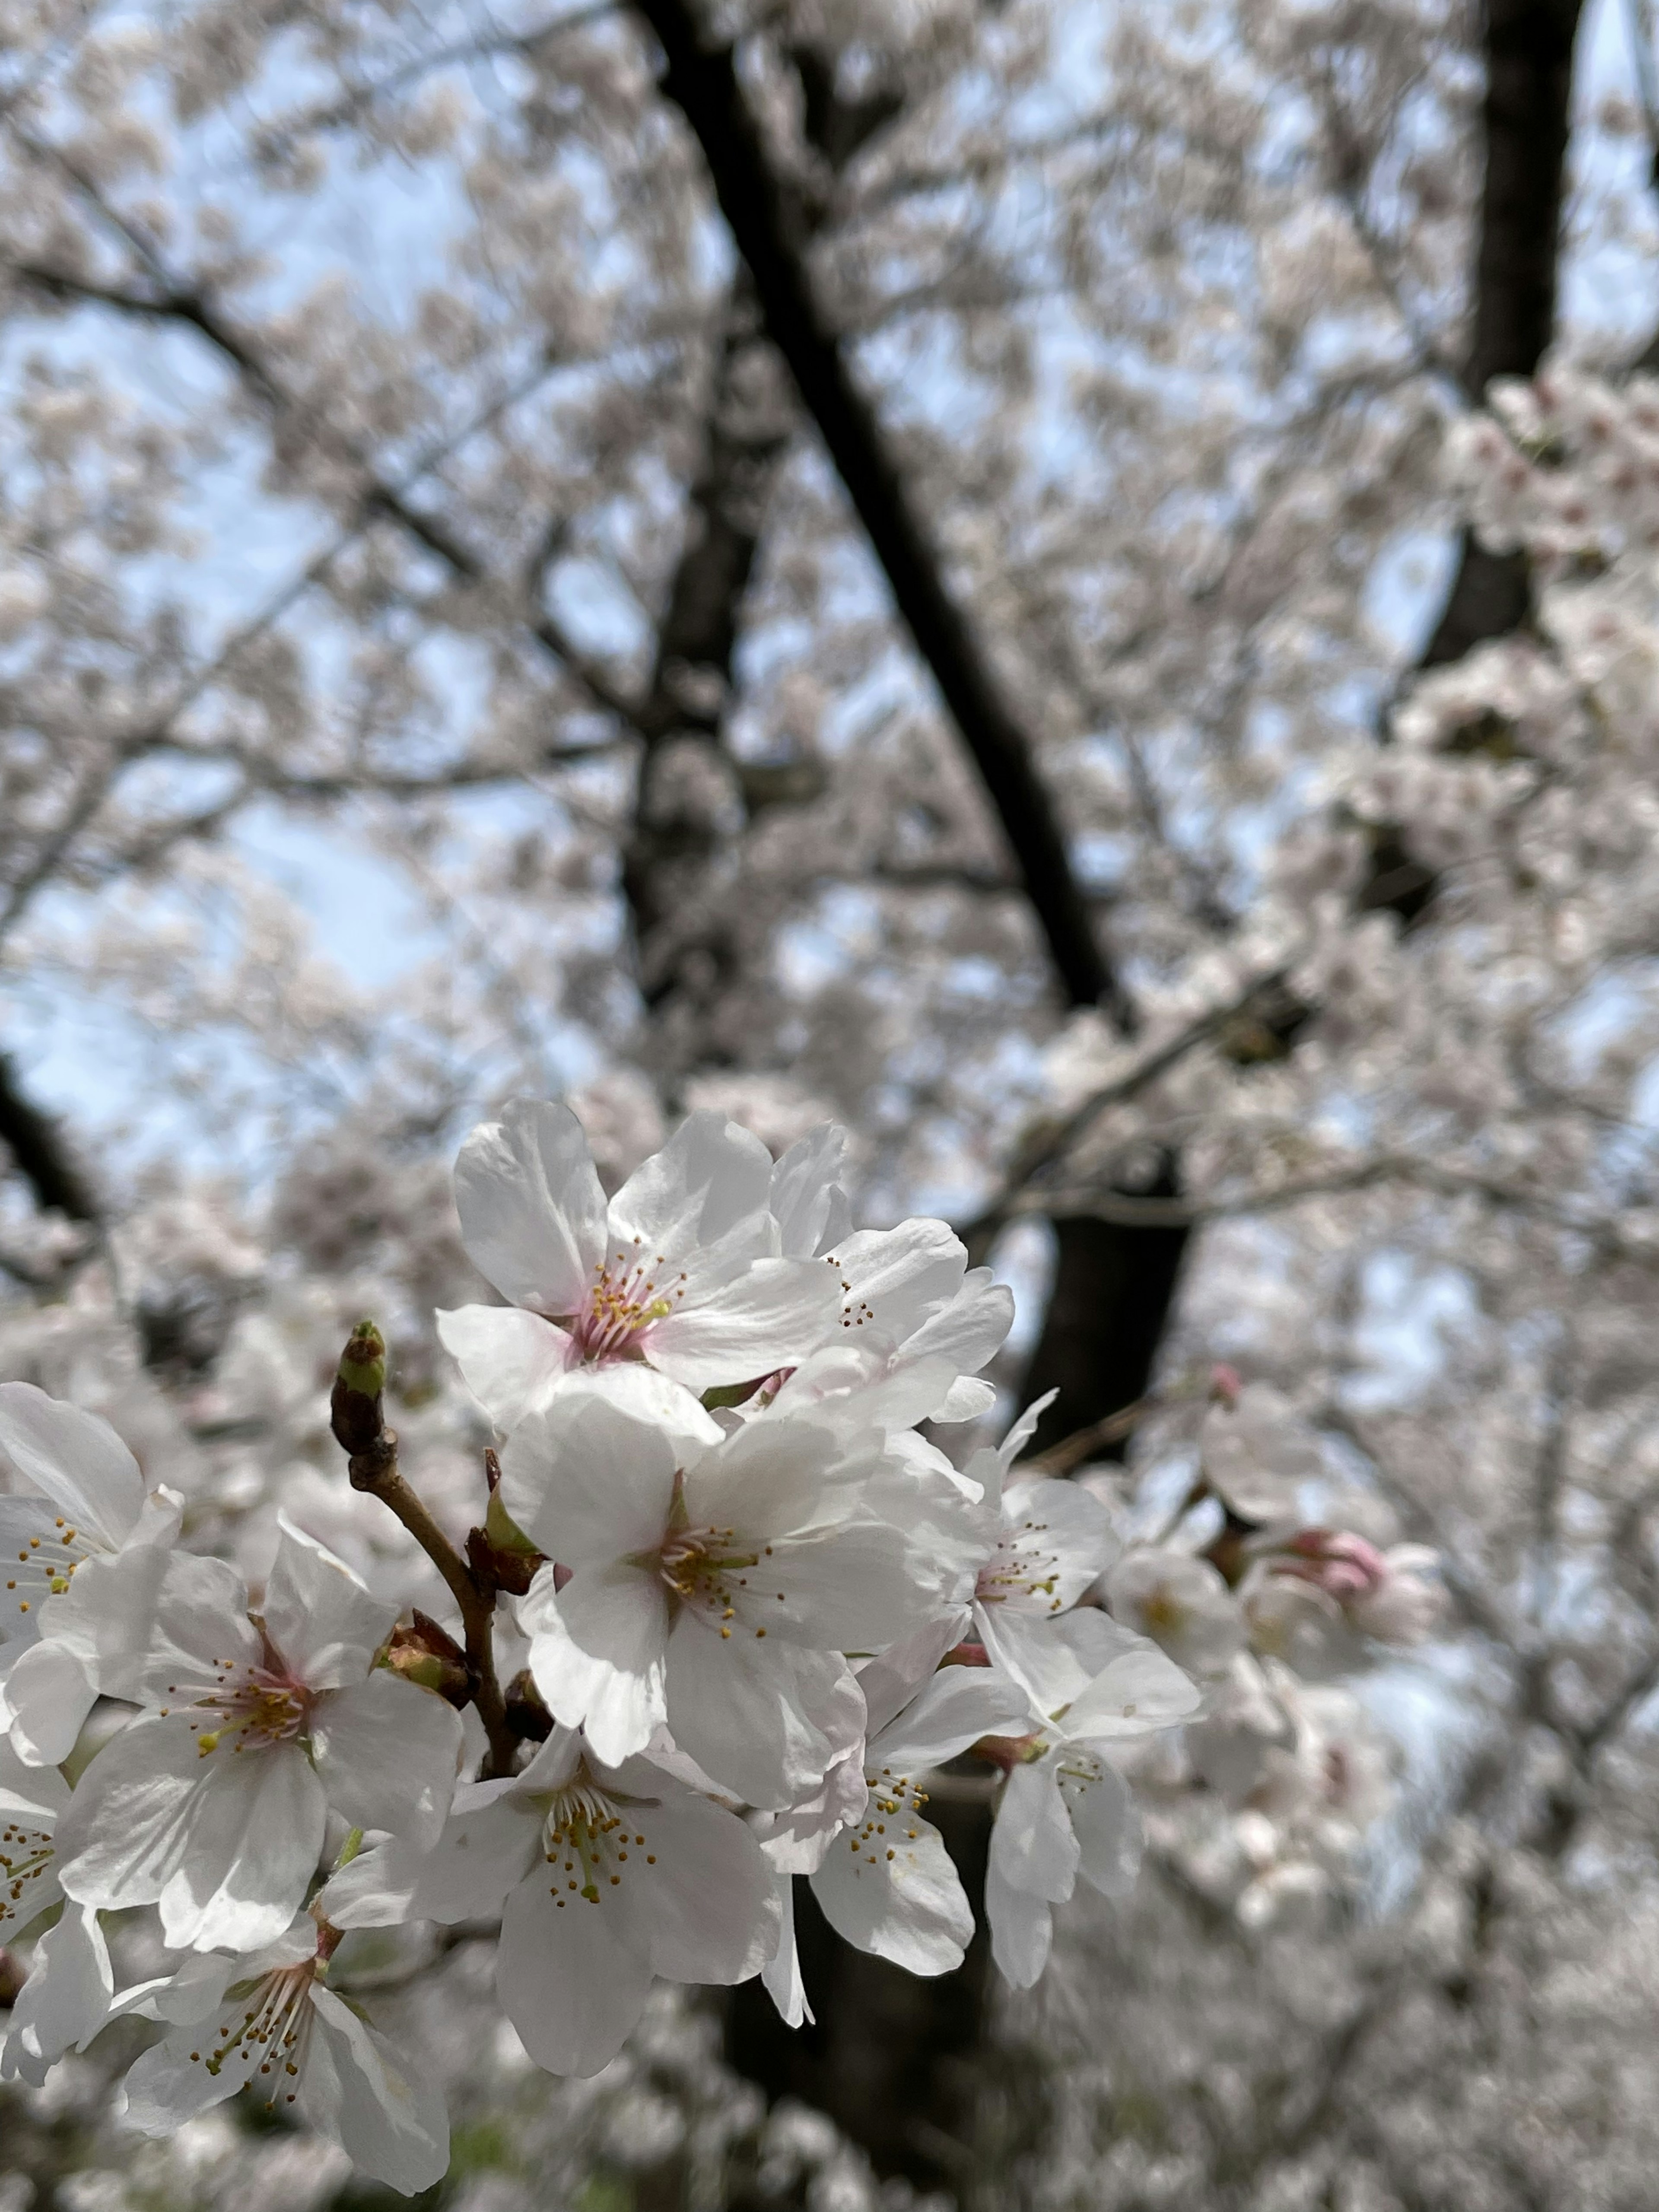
<point x="510" y="1358"/>
<point x="765" y="1719"/>
<point x="598" y="1654"/>
<point x="74" y="1459"/>
<point x="532" y="1212"/>
<point x="588" y="1478"/>
<point x="1033" y="1847"/>
<point x="382" y="2109"/>
<point x="769" y="1317"/>
<point x="573" y="1977"/>
<point x="386" y="1752"/>
<point x="47" y="1697"/>
<point x="711" y="1176"/>
<point x="225" y="1843"/>
<point x="712" y="1916"/>
<point x="318" y="1615"/>
<point x="1022" y="1929"/>
<point x="889" y="1888"/>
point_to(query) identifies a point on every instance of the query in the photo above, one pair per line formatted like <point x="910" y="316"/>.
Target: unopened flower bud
<point x="354" y="1408"/>
<point x="426" y="1654"/>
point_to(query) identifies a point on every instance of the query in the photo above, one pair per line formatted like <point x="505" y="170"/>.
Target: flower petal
<point x="805" y="1196"/>
<point x="387" y="1751"/>
<point x="73" y="1458"/>
<point x="47" y="1697"/>
<point x="510" y="1358"/>
<point x="708" y="1901"/>
<point x="765" y="1720"/>
<point x="1106" y="1822"/>
<point x="492" y="1841"/>
<point x="386" y="2114"/>
<point x="598" y="1654"/>
<point x="1033" y="1847"/>
<point x="588" y="1478"/>
<point x="225" y="1844"/>
<point x="711" y="1175"/>
<point x="894" y="1892"/>
<point x="1137" y="1692"/>
<point x="573" y="1979"/>
<point x="952" y="1710"/>
<point x="770" y="1317"/>
<point x="781" y="1976"/>
<point x="318" y="1615"/>
<point x="532" y="1212"/>
<point x="64" y="2002"/>
<point x="1022" y="1929"/>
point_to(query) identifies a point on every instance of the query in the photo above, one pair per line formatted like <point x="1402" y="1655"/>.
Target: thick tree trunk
<point x="41" y="1154"/>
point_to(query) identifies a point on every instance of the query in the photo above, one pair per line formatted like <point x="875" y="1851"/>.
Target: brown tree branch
<point x="703" y="84"/>
<point x="41" y="1154"/>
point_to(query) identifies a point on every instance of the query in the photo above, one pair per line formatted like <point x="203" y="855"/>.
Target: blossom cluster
<point x="750" y="1607"/>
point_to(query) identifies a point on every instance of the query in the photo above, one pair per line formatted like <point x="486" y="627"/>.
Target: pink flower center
<point x="628" y="1295"/>
<point x="252" y="1707"/>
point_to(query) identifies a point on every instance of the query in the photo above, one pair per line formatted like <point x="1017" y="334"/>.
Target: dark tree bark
<point x="1525" y="117"/>
<point x="703" y="84"/>
<point x="41" y="1154"/>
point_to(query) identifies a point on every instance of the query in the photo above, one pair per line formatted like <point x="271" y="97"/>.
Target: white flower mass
<point x="763" y="1610"/>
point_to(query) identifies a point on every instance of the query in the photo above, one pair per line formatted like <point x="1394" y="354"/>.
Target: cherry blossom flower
<point x="270" y="2023"/>
<point x="681" y="1270"/>
<point x="1182" y="1603"/>
<point x="86" y="1506"/>
<point x="885" y="1882"/>
<point x="31" y="1803"/>
<point x="1092" y="1686"/>
<point x="712" y="1589"/>
<point x="212" y="1804"/>
<point x="605" y="1876"/>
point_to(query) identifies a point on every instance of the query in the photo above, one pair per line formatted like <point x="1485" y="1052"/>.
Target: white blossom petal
<point x="766" y="1720"/>
<point x="532" y="1211"/>
<point x="225" y="1844"/>
<point x="319" y="1615"/>
<point x="1033" y="1847"/>
<point x="386" y="2114"/>
<point x="891" y="1889"/>
<point x="64" y="2002"/>
<point x="598" y="1654"/>
<point x="1022" y="1929"/>
<point x="73" y="1458"/>
<point x="387" y="1751"/>
<point x="573" y="1979"/>
<point x="511" y="1359"/>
